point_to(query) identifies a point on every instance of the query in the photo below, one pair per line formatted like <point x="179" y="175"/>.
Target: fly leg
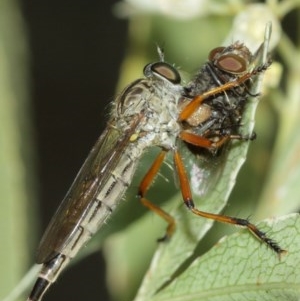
<point x="203" y="141"/>
<point x="197" y="100"/>
<point x="187" y="198"/>
<point x="143" y="188"/>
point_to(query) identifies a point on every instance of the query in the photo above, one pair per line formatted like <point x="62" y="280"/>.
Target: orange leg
<point x="202" y="141"/>
<point x="195" y="139"/>
<point x="143" y="188"/>
<point x="187" y="197"/>
<point x="197" y="100"/>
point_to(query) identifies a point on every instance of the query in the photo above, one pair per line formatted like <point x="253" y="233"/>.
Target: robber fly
<point x="152" y="111"/>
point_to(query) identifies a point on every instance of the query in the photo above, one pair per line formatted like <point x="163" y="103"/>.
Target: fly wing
<point x="94" y="173"/>
<point x="204" y="168"/>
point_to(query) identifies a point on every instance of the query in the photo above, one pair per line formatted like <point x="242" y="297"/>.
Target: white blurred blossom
<point x="181" y="9"/>
<point x="249" y="27"/>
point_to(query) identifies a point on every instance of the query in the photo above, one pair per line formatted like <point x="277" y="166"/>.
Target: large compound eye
<point x="212" y="55"/>
<point x="231" y="63"/>
<point x="163" y="69"/>
<point x="226" y="60"/>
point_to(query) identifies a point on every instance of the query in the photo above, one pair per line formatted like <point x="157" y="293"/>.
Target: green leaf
<point x="238" y="268"/>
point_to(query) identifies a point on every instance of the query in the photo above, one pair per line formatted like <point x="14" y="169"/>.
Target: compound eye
<point x="165" y="70"/>
<point x="212" y="55"/>
<point x="231" y="63"/>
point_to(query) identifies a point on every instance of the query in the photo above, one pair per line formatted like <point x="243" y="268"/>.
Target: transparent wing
<point x="94" y="173"/>
<point x="204" y="168"/>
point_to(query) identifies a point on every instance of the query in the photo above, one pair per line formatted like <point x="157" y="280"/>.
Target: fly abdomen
<point x="48" y="274"/>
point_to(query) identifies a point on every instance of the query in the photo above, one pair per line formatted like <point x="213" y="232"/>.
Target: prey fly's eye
<point x="232" y="63"/>
<point x="229" y="62"/>
<point x="163" y="69"/>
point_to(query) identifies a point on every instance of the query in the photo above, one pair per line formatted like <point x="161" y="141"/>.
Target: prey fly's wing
<point x="204" y="168"/>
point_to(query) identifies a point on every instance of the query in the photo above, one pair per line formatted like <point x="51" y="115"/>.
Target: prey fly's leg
<point x="187" y="198"/>
<point x="143" y="188"/>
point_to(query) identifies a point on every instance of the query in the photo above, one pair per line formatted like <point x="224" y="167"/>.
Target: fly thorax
<point x="134" y="99"/>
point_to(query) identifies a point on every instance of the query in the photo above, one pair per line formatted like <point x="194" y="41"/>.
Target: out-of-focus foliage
<point x="16" y="161"/>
